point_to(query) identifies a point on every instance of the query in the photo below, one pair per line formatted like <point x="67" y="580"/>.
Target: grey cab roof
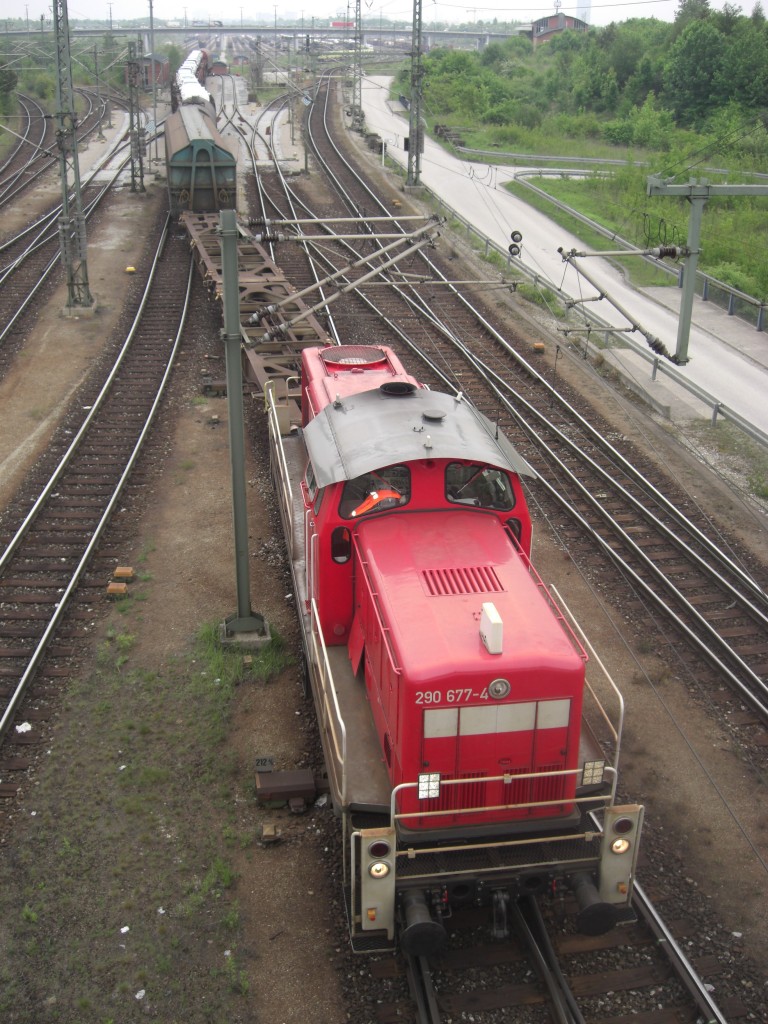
<point x="367" y="431"/>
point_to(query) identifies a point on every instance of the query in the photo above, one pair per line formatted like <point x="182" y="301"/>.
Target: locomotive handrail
<point x="331" y="719"/>
<point x="413" y="851"/>
<point x="384" y="630"/>
<point x="616" y="730"/>
<point x="285" y="491"/>
<point x="331" y="712"/>
<point x="596" y="798"/>
<point x="554" y="606"/>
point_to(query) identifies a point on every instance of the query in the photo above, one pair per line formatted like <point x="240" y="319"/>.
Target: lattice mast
<point x="415" y="131"/>
<point x="357" y="75"/>
<point x="135" y="130"/>
<point x="72" y="236"/>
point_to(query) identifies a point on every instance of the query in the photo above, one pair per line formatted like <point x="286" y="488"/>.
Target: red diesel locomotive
<point x="461" y="738"/>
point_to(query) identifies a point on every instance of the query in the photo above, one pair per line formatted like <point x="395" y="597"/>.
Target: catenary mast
<point x="72" y="237"/>
<point x="415" y="131"/>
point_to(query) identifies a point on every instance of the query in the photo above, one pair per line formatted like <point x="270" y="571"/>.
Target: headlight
<point x="592" y="773"/>
<point x="429" y="786"/>
<point x="620" y="846"/>
<point x="379" y="869"/>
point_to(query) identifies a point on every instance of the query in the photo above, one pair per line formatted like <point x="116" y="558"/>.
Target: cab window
<point x="479" y="486"/>
<point x="375" y="492"/>
<point x="314" y="493"/>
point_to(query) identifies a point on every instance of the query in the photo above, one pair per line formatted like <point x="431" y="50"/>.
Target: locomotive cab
<point x="360" y="411"/>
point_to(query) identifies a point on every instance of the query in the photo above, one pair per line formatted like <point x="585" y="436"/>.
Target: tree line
<point x="634" y="84"/>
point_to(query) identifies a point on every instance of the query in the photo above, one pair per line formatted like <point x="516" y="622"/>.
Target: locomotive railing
<point x="384" y="630"/>
<point x="281" y="478"/>
<point x="329" y="714"/>
<point x="331" y="721"/>
<point x="552" y="602"/>
<point x="615" y="729"/>
<point x="586" y="651"/>
<point x="595" y="799"/>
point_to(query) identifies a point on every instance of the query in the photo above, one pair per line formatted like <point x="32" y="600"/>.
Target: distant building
<point x="161" y="70"/>
<point x="543" y="29"/>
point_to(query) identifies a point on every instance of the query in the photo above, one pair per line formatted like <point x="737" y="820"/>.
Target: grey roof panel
<point x="365" y="432"/>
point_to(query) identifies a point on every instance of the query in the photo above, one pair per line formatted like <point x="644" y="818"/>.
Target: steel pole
<point x="244" y="621"/>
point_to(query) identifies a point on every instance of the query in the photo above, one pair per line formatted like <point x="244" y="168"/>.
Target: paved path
<point x="728" y="358"/>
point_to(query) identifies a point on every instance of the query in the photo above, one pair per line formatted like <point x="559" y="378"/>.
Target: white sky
<point x="602" y="13"/>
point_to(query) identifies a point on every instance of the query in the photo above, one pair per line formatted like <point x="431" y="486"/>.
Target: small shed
<point x="201" y="165"/>
<point x="156" y="64"/>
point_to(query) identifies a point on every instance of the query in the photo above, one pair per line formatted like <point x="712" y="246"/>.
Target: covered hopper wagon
<point x="201" y="164"/>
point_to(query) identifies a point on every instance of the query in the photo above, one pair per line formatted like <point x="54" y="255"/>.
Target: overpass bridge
<point x="395" y="39"/>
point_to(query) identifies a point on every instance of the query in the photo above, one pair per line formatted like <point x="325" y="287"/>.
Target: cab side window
<point x="478" y="486"/>
<point x="314" y="493"/>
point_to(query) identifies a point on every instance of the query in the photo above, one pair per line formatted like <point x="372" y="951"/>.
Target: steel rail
<point x="563" y="1003"/>
<point x="40" y="241"/>
<point x="46" y="158"/>
<point x="422" y="989"/>
<point x="313" y="255"/>
<point x="68" y="592"/>
<point x="23" y="140"/>
<point x="677" y="958"/>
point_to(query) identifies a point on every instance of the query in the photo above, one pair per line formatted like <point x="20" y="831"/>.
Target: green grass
<point x="641" y="273"/>
<point x="140" y="833"/>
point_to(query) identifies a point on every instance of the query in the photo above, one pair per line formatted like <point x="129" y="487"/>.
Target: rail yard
<point x="636" y="539"/>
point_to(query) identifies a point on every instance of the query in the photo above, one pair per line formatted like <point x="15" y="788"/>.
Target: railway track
<point x="542" y="972"/>
<point x="36" y="149"/>
<point x="53" y="547"/>
<point x="35" y="133"/>
<point x="29" y="259"/>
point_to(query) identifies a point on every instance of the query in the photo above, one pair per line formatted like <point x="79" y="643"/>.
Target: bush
<point x="40" y="84"/>
<point x="736" y="277"/>
<point x="618" y="133"/>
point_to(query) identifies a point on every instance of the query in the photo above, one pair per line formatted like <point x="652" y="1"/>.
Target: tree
<point x="175" y="58"/>
<point x="694" y="65"/>
<point x="692" y="10"/>
<point x="8" y="80"/>
<point x="743" y="76"/>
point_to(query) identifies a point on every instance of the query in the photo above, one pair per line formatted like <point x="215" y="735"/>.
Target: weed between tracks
<point x="116" y="888"/>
